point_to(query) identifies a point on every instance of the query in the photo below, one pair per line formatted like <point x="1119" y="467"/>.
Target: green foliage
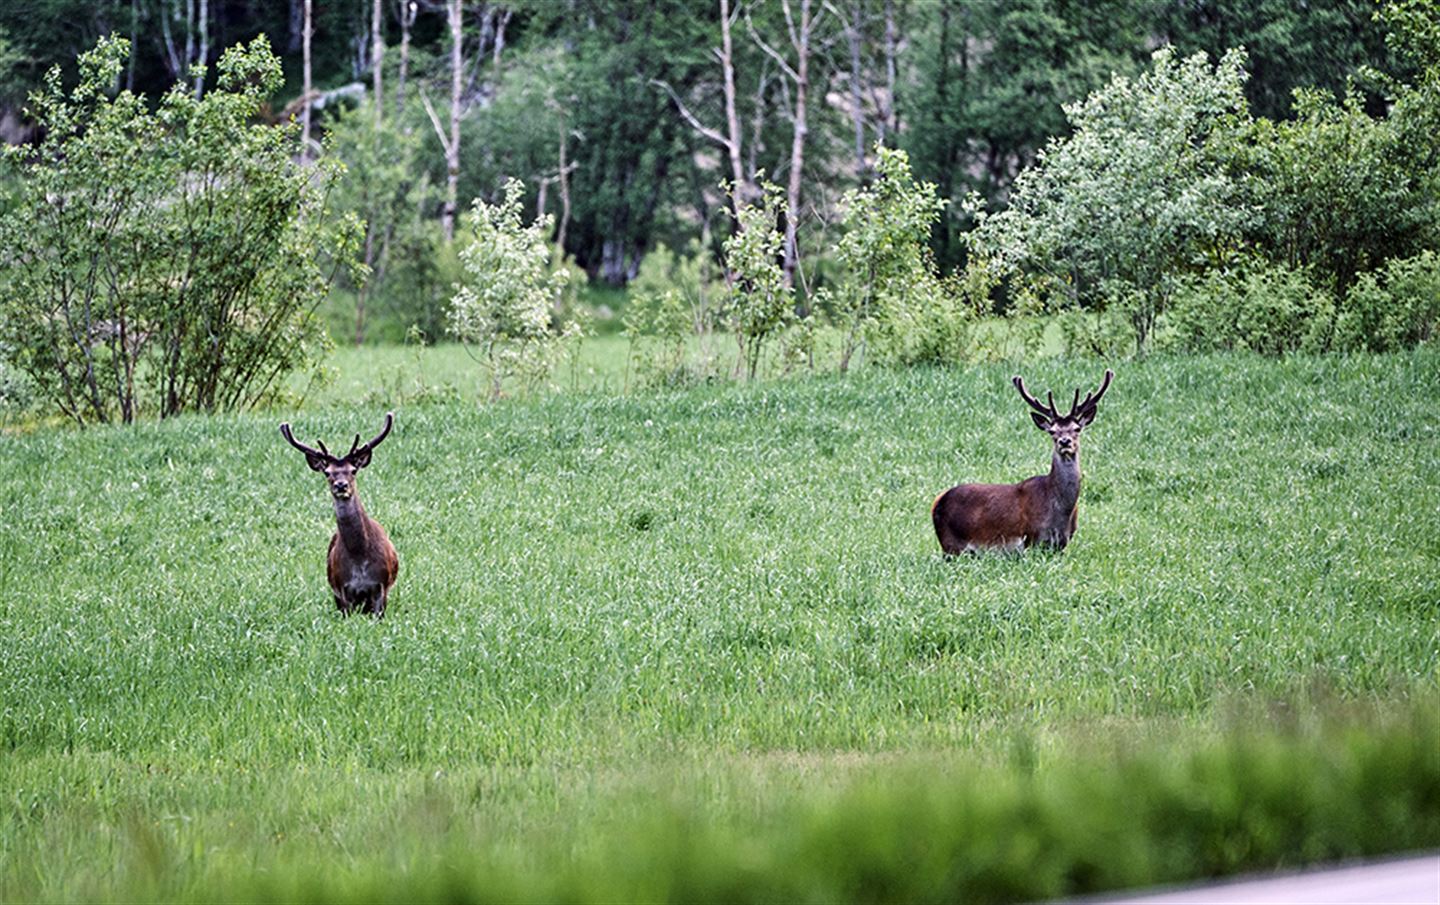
<point x="1393" y="308"/>
<point x="386" y="189"/>
<point x="168" y="260"/>
<point x="670" y="309"/>
<point x="512" y="288"/>
<point x="986" y="87"/>
<point x="1321" y="45"/>
<point x="1269" y="309"/>
<point x="758" y="304"/>
<point x="1141" y="192"/>
<point x="11" y="59"/>
<point x="627" y="142"/>
<point x="891" y="293"/>
<point x="1338" y="191"/>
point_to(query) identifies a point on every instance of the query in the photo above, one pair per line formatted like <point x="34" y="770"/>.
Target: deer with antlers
<point x="1038" y="510"/>
<point x="362" y="564"/>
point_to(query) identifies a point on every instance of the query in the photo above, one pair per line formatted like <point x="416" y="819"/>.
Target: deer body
<point x="1038" y="510"/>
<point x="361" y="563"/>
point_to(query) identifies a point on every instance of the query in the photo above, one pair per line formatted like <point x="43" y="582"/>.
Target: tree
<point x="630" y="163"/>
<point x="452" y="147"/>
<point x="891" y="290"/>
<point x="1142" y="191"/>
<point x="377" y="59"/>
<point x="759" y="302"/>
<point x="505" y="302"/>
<point x="406" y="11"/>
<point x="1320" y="45"/>
<point x="1339" y="192"/>
<point x="989" y="83"/>
<point x="385" y="189"/>
<point x="731" y="139"/>
<point x="801" y="32"/>
<point x="307" y="89"/>
<point x="164" y="261"/>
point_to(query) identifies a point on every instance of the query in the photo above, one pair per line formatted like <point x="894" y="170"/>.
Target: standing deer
<point x="362" y="564"/>
<point x="1038" y="510"/>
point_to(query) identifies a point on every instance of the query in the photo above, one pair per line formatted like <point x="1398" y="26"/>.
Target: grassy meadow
<point x="700" y="643"/>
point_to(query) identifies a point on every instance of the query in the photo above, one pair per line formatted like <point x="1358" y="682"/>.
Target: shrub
<point x="1143" y="190"/>
<point x="389" y="193"/>
<point x="1268" y="309"/>
<point x="1339" y="191"/>
<point x="670" y="304"/>
<point x="511" y="292"/>
<point x="758" y="304"/>
<point x="1393" y="308"/>
<point x="891" y="295"/>
<point x="164" y="260"/>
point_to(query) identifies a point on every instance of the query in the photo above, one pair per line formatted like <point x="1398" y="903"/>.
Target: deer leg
<point x="376" y="606"/>
<point x="341" y="605"/>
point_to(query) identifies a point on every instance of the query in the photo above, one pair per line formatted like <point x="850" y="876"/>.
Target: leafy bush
<point x="164" y="260"/>
<point x="1338" y="191"/>
<point x="1142" y="191"/>
<point x="16" y="391"/>
<point x="1263" y="308"/>
<point x="670" y="305"/>
<point x="384" y="186"/>
<point x="758" y="303"/>
<point x="1393" y="308"/>
<point x="891" y="295"/>
<point x="511" y="292"/>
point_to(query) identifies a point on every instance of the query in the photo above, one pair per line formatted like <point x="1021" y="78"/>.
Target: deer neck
<point x="350" y="522"/>
<point x="1064" y="482"/>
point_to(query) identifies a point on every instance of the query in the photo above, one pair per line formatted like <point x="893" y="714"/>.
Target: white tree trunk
<point x="742" y="187"/>
<point x="377" y="59"/>
<point x="204" y="44"/>
<point x="855" y="33"/>
<point x="797" y="146"/>
<point x="408" y="10"/>
<point x="452" y="150"/>
<point x="307" y="88"/>
<point x="890" y="116"/>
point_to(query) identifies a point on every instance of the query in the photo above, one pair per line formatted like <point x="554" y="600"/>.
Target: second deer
<point x="1038" y="510"/>
<point x="361" y="564"/>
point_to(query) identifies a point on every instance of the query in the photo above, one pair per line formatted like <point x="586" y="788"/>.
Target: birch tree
<point x="406" y="11"/>
<point x="744" y="188"/>
<point x="801" y="34"/>
<point x="452" y="146"/>
<point x="377" y="59"/>
<point x="307" y="89"/>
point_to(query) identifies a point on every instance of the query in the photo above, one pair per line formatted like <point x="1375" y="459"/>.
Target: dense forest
<point x="614" y="113"/>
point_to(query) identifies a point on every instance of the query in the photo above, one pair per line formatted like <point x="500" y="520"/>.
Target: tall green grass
<point x="724" y="609"/>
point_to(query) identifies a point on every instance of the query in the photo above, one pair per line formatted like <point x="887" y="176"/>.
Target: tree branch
<point x="770" y="51"/>
<point x="435" y="121"/>
<point x="700" y="127"/>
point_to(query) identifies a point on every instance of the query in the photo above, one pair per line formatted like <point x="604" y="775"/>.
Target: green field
<point x="701" y="644"/>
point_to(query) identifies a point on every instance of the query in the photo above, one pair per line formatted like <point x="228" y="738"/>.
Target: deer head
<point x="340" y="472"/>
<point x="1065" y="429"/>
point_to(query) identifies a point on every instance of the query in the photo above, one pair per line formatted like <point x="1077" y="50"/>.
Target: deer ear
<point x="360" y="458"/>
<point x="1040" y="420"/>
<point x="316" y="463"/>
<point x="1084" y="418"/>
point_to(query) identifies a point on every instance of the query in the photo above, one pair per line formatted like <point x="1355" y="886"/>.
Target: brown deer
<point x="362" y="564"/>
<point x="1038" y="510"/>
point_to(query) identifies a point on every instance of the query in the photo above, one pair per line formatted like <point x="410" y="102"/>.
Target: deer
<point x="1038" y="510"/>
<point x="361" y="564"/>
